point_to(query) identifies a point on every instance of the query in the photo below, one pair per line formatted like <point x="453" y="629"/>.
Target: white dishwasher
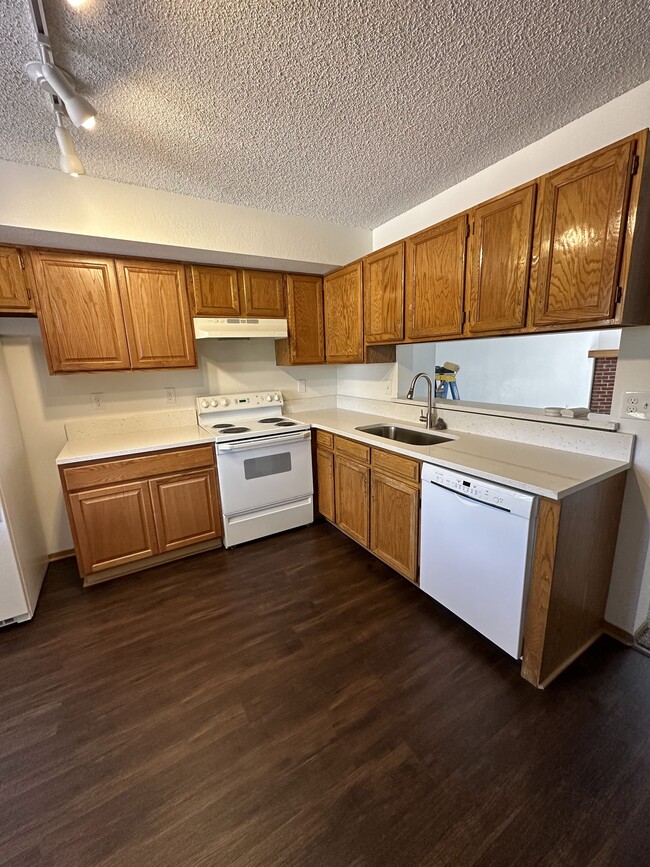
<point x="475" y="552"/>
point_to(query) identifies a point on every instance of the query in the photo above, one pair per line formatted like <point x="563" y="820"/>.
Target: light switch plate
<point x="170" y="395"/>
<point x="636" y="404"/>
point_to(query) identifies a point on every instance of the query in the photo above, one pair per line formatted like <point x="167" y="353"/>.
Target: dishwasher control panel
<point x="517" y="502"/>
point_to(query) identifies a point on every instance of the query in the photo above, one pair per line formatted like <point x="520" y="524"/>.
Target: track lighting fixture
<point x="59" y="83"/>
<point x="69" y="160"/>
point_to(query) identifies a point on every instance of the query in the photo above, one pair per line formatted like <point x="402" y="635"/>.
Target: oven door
<point x="258" y="473"/>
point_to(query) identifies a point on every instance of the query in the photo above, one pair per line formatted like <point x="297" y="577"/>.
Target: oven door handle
<point x="265" y="442"/>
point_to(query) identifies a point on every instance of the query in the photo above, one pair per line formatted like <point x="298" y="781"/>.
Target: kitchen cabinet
<point x="113" y="526"/>
<point x="128" y="513"/>
<point x="394" y="523"/>
<point x="435" y="281"/>
<point x="305" y="343"/>
<point x="15" y="282"/>
<point x="501" y="248"/>
<point x="343" y="306"/>
<point x="325" y="483"/>
<point x="215" y="290"/>
<point x="80" y="312"/>
<point x="185" y="509"/>
<point x="352" y="498"/>
<point x="262" y="294"/>
<point x="582" y="226"/>
<point x="156" y="314"/>
<point x="383" y="295"/>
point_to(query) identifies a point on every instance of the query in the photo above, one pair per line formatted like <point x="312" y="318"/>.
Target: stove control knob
<point x="276" y="397"/>
<point x="224" y="402"/>
<point x="205" y="404"/>
<point x="213" y="403"/>
<point x="269" y="398"/>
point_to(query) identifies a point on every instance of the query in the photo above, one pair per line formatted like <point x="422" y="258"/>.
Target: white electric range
<point x="263" y="463"/>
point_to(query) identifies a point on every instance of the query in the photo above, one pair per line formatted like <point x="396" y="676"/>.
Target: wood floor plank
<point x="295" y="702"/>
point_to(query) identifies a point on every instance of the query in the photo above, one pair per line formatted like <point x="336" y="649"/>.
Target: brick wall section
<point x="602" y="389"/>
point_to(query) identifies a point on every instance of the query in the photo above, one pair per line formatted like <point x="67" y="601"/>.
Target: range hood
<point x="239" y="328"/>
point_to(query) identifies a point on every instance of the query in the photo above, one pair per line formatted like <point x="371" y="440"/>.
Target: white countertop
<point x="549" y="472"/>
<point x="113" y="445"/>
<point x="539" y="470"/>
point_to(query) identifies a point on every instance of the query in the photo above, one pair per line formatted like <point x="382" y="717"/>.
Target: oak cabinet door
<point x="113" y="525"/>
<point x="583" y="210"/>
<point x="351" y="482"/>
<point x="502" y="243"/>
<point x="156" y="313"/>
<point x="305" y="319"/>
<point x="435" y="280"/>
<point x="343" y="304"/>
<point x="325" y="477"/>
<point x="80" y="312"/>
<point x="383" y="295"/>
<point x="395" y="524"/>
<point x="216" y="290"/>
<point x="15" y="293"/>
<point x="186" y="509"/>
<point x="262" y="294"/>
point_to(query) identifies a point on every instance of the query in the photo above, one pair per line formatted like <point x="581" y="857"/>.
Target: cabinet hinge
<point x="619" y="294"/>
<point x="29" y="294"/>
<point x="22" y="261"/>
<point x="464" y="317"/>
<point x="635" y="165"/>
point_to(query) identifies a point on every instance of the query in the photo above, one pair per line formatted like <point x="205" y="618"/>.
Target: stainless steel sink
<point x="404" y="435"/>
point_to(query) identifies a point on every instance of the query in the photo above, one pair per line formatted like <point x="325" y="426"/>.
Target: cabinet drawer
<point x="324" y="439"/>
<point x="396" y="465"/>
<point x="126" y="469"/>
<point x="352" y="449"/>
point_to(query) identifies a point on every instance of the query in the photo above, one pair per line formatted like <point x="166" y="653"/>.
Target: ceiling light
<point x="69" y="161"/>
<point x="90" y="123"/>
<point x="76" y="3"/>
<point x="55" y="80"/>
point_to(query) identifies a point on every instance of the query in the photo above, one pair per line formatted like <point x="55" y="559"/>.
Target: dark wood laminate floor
<point x="295" y="702"/>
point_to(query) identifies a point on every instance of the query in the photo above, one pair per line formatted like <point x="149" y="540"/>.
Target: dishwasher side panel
<point x="474" y="560"/>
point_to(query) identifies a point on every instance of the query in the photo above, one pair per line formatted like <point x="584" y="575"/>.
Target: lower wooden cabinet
<point x="113" y="526"/>
<point x="325" y="483"/>
<point x="352" y="498"/>
<point x="184" y="508"/>
<point x="395" y="523"/>
<point x="123" y="511"/>
<point x="373" y="496"/>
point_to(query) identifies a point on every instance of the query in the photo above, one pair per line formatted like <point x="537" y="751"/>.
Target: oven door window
<point x="267" y="465"/>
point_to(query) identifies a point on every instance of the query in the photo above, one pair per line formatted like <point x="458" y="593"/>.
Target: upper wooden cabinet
<point x="435" y="280"/>
<point x="156" y="313"/>
<point x="306" y="341"/>
<point x="582" y="213"/>
<point x="501" y="248"/>
<point x="262" y="294"/>
<point x="80" y="313"/>
<point x="215" y="290"/>
<point x="383" y="295"/>
<point x="343" y="304"/>
<point x="15" y="291"/>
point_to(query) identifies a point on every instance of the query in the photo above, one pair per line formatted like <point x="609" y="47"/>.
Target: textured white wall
<point x="45" y="402"/>
<point x="630" y="590"/>
<point x="42" y="206"/>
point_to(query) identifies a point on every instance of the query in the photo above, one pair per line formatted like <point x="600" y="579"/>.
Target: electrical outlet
<point x="636" y="404"/>
<point x="388" y="387"/>
<point x="302" y="386"/>
<point x="170" y="395"/>
<point x="97" y="399"/>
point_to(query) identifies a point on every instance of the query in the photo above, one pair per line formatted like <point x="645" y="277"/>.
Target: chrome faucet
<point x="427" y="417"/>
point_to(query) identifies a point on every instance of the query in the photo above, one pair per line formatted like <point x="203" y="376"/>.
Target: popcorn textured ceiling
<point x="350" y="112"/>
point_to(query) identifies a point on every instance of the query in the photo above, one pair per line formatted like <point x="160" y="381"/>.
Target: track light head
<point x="68" y="161"/>
<point x="56" y="81"/>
